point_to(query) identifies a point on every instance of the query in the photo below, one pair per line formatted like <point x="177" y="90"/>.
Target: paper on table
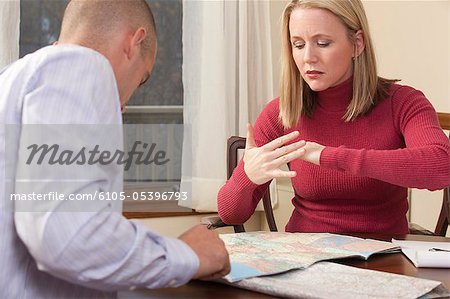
<point x="426" y="254"/>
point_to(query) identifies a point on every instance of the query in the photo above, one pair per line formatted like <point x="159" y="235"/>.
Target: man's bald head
<point x="92" y="23"/>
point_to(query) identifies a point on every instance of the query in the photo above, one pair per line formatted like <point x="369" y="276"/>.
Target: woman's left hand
<point x="312" y="154"/>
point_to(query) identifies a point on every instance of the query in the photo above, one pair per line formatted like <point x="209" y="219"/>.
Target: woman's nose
<point x="309" y="54"/>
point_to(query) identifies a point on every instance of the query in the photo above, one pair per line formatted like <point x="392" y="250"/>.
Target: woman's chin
<point x="316" y="84"/>
<point x="317" y="87"/>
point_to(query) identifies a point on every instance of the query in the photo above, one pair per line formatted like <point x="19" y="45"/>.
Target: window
<point x="159" y="101"/>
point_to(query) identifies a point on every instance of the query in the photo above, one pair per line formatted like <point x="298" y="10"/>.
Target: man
<point x="105" y="51"/>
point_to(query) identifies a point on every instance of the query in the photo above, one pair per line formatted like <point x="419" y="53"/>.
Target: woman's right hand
<point x="262" y="164"/>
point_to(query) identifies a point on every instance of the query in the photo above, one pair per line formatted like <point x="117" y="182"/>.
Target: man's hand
<point x="211" y="251"/>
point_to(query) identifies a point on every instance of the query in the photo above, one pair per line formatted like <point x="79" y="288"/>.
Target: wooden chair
<point x="444" y="216"/>
<point x="234" y="145"/>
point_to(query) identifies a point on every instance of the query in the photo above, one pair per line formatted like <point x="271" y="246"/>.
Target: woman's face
<point x="321" y="47"/>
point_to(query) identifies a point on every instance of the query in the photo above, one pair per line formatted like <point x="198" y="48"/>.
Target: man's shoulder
<point x="46" y="60"/>
<point x="65" y="54"/>
<point x="75" y="67"/>
<point x="69" y="78"/>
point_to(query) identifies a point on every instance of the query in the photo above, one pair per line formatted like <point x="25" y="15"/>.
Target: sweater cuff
<point x="329" y="158"/>
<point x="182" y="262"/>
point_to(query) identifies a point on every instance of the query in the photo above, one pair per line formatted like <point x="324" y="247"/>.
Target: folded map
<point x="264" y="253"/>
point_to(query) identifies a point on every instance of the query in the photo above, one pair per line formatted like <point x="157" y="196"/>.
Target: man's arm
<point x="90" y="244"/>
<point x="105" y="251"/>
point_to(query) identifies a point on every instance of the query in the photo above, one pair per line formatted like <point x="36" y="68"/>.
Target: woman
<point x="354" y="141"/>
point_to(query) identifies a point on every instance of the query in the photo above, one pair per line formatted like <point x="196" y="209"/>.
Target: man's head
<point x="122" y="30"/>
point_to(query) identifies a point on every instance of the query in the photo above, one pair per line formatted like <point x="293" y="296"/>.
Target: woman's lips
<point x="313" y="74"/>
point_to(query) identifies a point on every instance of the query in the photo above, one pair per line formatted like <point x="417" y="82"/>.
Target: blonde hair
<point x="297" y="99"/>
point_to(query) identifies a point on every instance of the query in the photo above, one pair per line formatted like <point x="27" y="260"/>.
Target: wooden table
<point x="392" y="263"/>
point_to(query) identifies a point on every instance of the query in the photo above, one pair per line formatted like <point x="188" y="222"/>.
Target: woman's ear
<point x="359" y="43"/>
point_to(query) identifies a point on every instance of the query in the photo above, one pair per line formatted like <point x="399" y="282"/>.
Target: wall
<point x="412" y="43"/>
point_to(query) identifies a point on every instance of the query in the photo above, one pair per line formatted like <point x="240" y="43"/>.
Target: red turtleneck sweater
<point x="365" y="169"/>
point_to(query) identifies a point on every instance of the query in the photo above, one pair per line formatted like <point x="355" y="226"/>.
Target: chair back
<point x="234" y="144"/>
<point x="444" y="216"/>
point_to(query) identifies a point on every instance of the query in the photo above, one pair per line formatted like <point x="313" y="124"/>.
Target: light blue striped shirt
<point x="90" y="254"/>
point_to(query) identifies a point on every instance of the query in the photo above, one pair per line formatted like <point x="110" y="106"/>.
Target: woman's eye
<point x="299" y="46"/>
<point x="323" y="44"/>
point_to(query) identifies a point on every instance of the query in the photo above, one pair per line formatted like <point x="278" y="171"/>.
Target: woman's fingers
<point x="250" y="141"/>
<point x="284" y="150"/>
<point x="287" y="158"/>
<point x="278" y="173"/>
<point x="261" y="164"/>
<point x="280" y="141"/>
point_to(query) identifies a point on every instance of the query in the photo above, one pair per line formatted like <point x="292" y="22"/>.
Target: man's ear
<point x="360" y="44"/>
<point x="136" y="41"/>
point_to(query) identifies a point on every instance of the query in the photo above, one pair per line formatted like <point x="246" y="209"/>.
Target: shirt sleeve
<point x="424" y="163"/>
<point x="105" y="251"/>
<point x="89" y="244"/>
